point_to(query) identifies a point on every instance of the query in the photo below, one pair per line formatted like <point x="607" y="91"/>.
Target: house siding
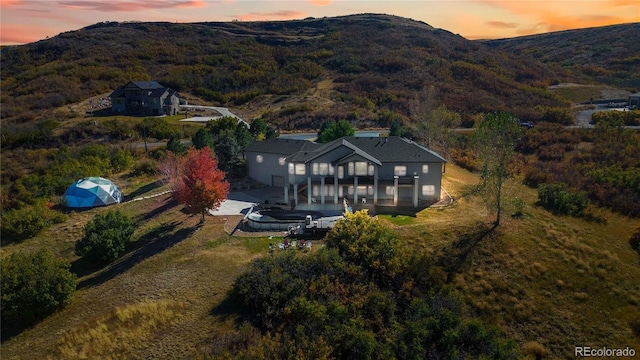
<point x="381" y="187"/>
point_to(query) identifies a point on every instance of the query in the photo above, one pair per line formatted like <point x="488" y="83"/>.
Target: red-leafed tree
<point x="203" y="185"/>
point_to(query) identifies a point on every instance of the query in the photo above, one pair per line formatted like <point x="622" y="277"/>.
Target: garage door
<point x="277" y="180"/>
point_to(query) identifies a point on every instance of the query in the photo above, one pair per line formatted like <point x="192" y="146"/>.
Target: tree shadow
<point x="169" y="203"/>
<point x="143" y="190"/>
<point x="147" y="246"/>
<point x="228" y="309"/>
<point x="456" y="255"/>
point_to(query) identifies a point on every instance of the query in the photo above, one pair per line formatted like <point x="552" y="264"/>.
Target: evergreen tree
<point x="202" y="138"/>
<point x="396" y="129"/>
<point x="175" y="145"/>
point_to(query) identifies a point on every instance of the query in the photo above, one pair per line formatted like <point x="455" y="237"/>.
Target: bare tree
<point x="170" y="168"/>
<point x="433" y="123"/>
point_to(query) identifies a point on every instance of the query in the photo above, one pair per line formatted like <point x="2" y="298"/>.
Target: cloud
<point x="276" y="15"/>
<point x="502" y="25"/>
<point x="130" y="6"/>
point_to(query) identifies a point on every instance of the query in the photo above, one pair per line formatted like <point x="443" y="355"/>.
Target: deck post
<point x="395" y="190"/>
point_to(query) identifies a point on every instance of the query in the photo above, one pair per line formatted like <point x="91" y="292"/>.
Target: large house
<point x="144" y="98"/>
<point x="380" y="171"/>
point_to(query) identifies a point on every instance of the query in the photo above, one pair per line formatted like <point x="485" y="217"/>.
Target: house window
<point x="320" y="168"/>
<point x="316" y="190"/>
<point x="350" y="190"/>
<point x="331" y="169"/>
<point x="350" y="168"/>
<point x="291" y="169"/>
<point x="425" y="169"/>
<point x="329" y="190"/>
<point x="371" y="170"/>
<point x="428" y="190"/>
<point x="361" y="168"/>
<point x="281" y="161"/>
<point x="300" y="169"/>
<point x="400" y="170"/>
<point x="323" y="168"/>
<point x="362" y="190"/>
<point x="370" y="190"/>
<point x="340" y="172"/>
<point x="389" y="190"/>
<point x="259" y="158"/>
<point x="340" y="191"/>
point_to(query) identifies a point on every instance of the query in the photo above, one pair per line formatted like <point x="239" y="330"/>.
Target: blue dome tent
<point x="91" y="192"/>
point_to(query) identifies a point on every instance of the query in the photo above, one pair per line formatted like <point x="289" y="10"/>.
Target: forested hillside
<point x="608" y="54"/>
<point x="366" y="68"/>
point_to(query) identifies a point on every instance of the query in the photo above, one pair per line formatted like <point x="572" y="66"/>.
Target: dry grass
<point x="124" y="329"/>
<point x="175" y="271"/>
<point x="581" y="93"/>
<point x="549" y="282"/>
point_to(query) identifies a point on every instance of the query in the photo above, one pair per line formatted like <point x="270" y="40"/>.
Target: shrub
<point x="27" y="222"/>
<point x="105" y="237"/>
<point x="145" y="167"/>
<point x="557" y="198"/>
<point x="360" y="296"/>
<point x="634" y="241"/>
<point x="121" y="160"/>
<point x="33" y="287"/>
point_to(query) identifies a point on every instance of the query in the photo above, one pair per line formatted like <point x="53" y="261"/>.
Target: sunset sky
<point x="24" y="21"/>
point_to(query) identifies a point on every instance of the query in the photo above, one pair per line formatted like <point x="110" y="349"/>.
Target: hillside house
<point x="144" y="98"/>
<point x="633" y="101"/>
<point x="380" y="171"/>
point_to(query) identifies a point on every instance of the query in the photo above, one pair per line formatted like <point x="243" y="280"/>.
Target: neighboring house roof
<point x="156" y="89"/>
<point x="375" y="149"/>
<point x="146" y="85"/>
<point x="119" y="92"/>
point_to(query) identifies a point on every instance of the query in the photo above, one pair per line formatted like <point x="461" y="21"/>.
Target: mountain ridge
<point x="376" y="63"/>
<point x="607" y="54"/>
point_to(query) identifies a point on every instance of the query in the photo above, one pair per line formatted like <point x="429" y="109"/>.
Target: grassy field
<point x="581" y="93"/>
<point x="550" y="282"/>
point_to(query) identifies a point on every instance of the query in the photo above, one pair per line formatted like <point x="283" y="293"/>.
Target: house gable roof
<point x="395" y="149"/>
<point x="392" y="149"/>
<point x="330" y="146"/>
